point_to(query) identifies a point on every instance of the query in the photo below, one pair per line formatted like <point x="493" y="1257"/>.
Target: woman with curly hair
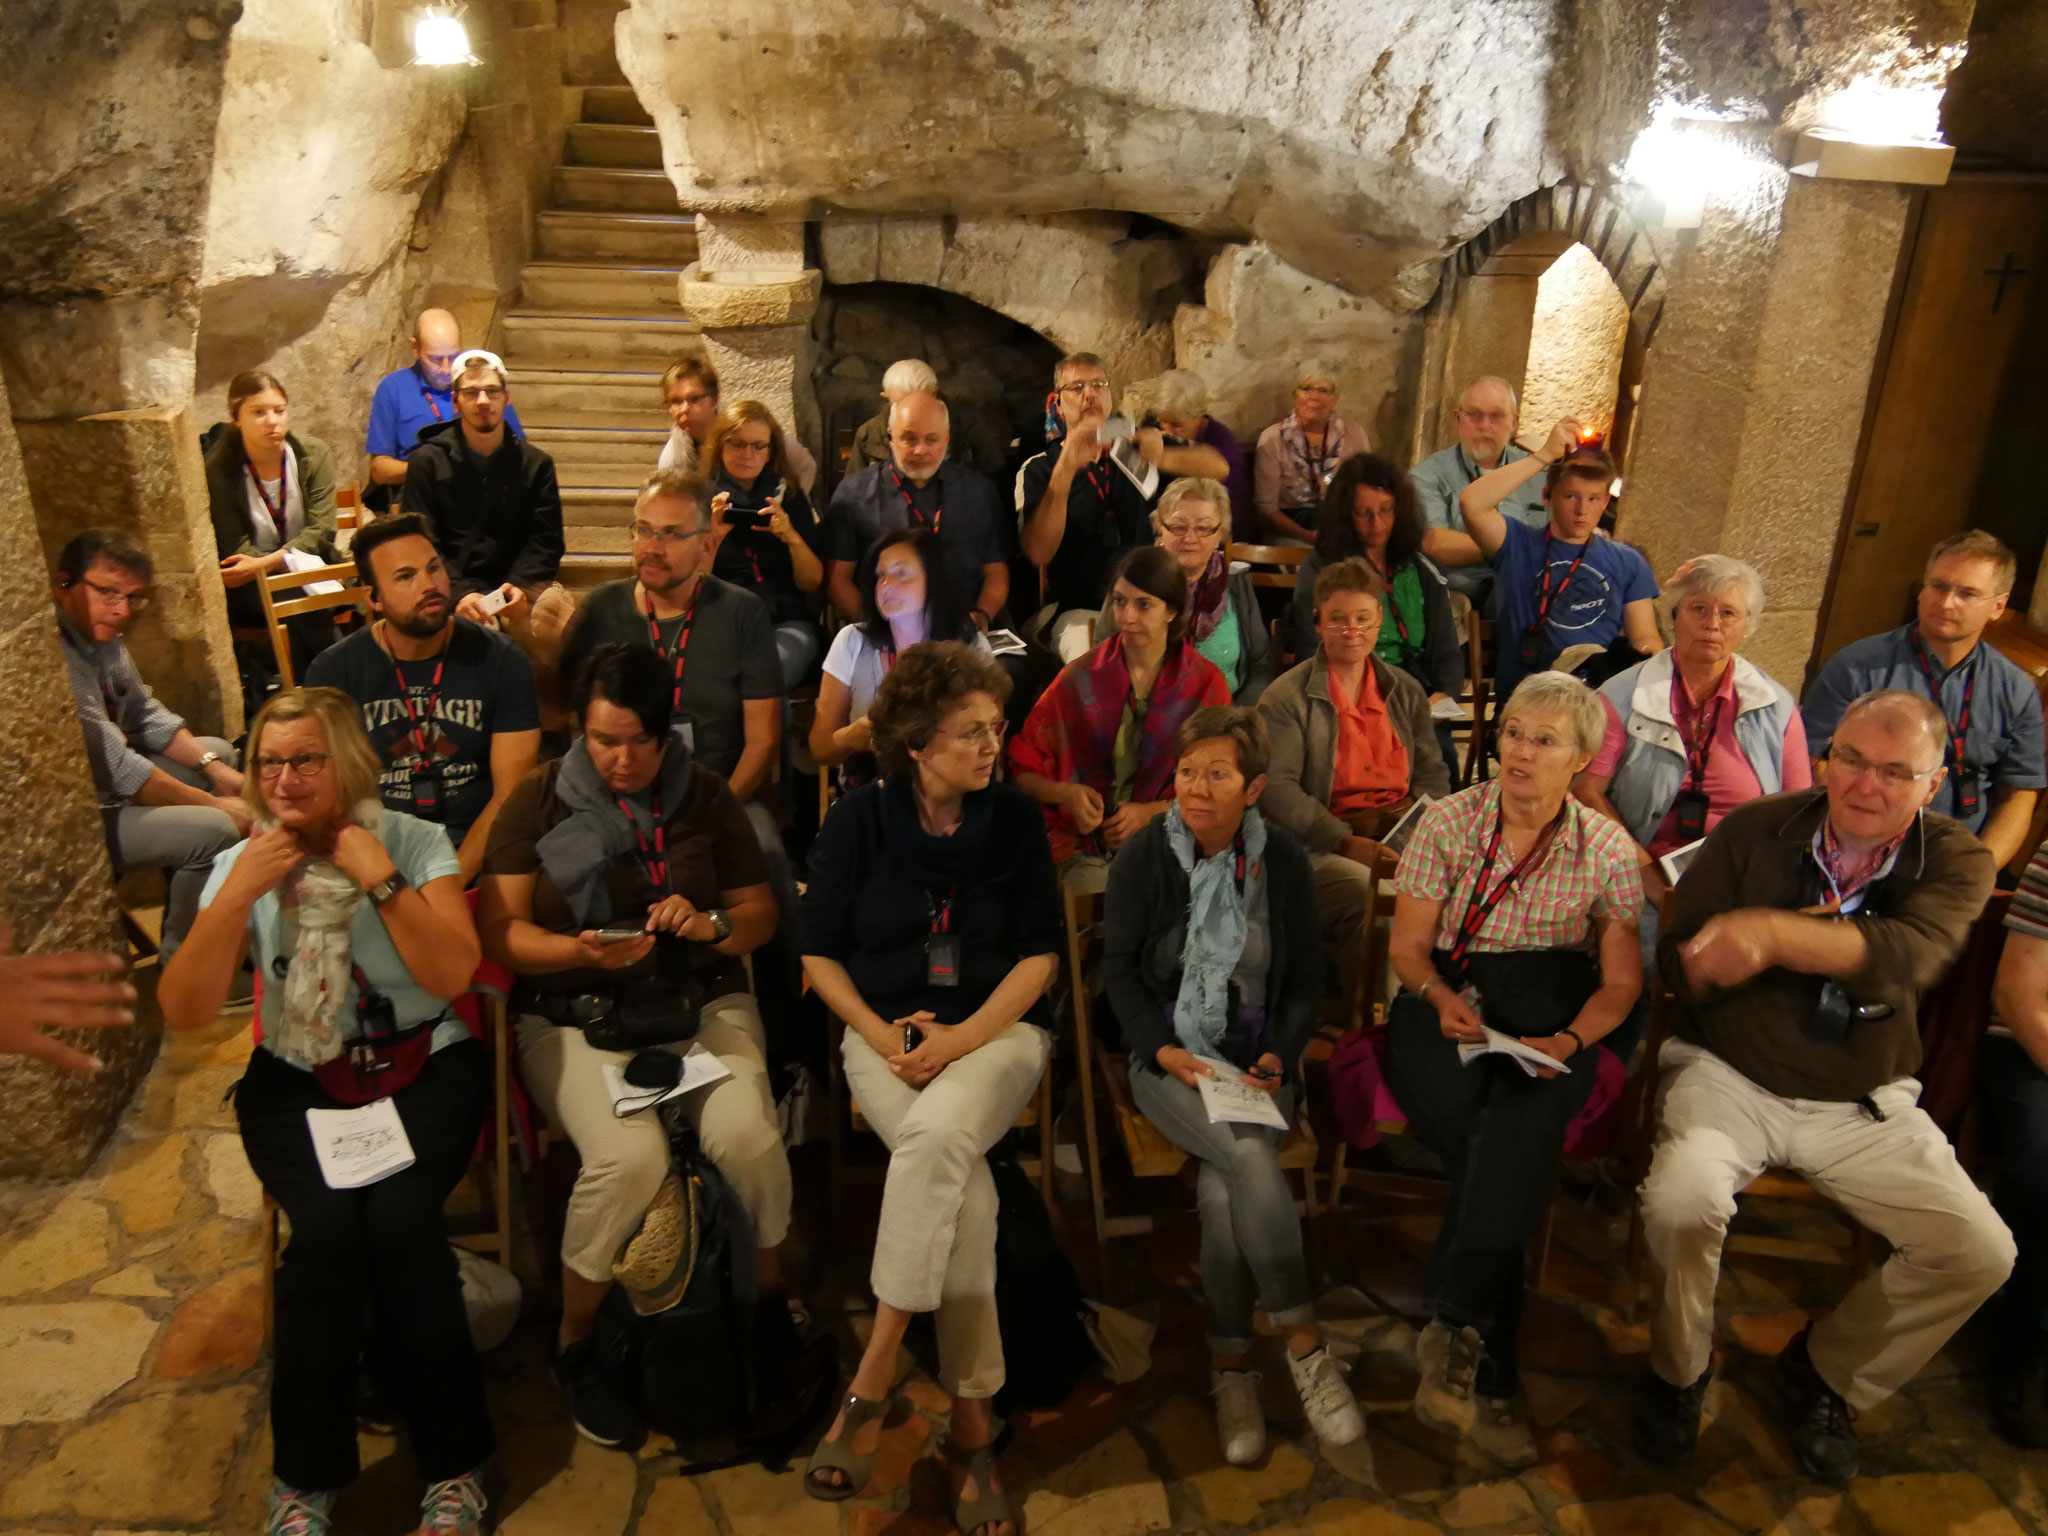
<point x="932" y="927"/>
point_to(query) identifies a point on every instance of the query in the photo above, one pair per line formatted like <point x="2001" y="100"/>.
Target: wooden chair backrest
<point x="277" y="609"/>
<point x="1285" y="560"/>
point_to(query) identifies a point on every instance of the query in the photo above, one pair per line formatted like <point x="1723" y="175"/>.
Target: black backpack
<point x="1038" y="1298"/>
<point x="697" y="1371"/>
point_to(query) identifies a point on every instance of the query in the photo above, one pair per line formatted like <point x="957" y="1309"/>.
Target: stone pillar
<point x="1754" y="391"/>
<point x="140" y="471"/>
<point x="54" y="880"/>
<point x="751" y="292"/>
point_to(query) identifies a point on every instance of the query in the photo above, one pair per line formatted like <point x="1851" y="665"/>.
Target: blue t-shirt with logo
<point x="404" y="403"/>
<point x="1587" y="610"/>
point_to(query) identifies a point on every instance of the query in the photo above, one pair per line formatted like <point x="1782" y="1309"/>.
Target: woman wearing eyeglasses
<point x="1297" y="456"/>
<point x="932" y="927"/>
<point x="1192" y="523"/>
<point x="766" y="535"/>
<point x="1516" y="911"/>
<point x="354" y="918"/>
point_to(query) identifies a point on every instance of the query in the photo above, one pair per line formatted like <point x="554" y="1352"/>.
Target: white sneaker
<point x="1332" y="1411"/>
<point x="1240" y="1422"/>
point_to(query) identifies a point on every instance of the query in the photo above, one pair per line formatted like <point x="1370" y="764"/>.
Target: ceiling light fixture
<point x="439" y="38"/>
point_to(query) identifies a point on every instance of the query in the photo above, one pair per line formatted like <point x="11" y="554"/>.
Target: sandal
<point x="990" y="1506"/>
<point x="838" y="1455"/>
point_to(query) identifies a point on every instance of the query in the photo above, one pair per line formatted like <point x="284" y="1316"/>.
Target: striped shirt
<point x="1588" y="871"/>
<point x="2028" y="913"/>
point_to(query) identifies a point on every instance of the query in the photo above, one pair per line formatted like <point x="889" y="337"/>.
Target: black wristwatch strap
<point x="384" y="890"/>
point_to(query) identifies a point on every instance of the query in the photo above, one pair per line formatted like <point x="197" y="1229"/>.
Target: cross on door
<point x="2004" y="273"/>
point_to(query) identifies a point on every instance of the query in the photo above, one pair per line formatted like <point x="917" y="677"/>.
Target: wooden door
<point x="1976" y="266"/>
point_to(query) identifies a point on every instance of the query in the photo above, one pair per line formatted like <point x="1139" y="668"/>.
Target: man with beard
<point x="416" y="396"/>
<point x="448" y="704"/>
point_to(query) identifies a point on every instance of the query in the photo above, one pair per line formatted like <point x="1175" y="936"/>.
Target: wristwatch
<point x="206" y="760"/>
<point x="385" y="889"/>
<point x="721" y="924"/>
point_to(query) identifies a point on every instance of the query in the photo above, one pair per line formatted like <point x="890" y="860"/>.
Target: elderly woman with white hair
<point x="905" y="376"/>
<point x="1192" y="523"/>
<point x="1298" y="454"/>
<point x="1697" y="730"/>
<point x="1515" y="911"/>
<point x="1180" y="404"/>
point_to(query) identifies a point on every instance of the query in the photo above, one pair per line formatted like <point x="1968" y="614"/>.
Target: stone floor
<point x="132" y="1388"/>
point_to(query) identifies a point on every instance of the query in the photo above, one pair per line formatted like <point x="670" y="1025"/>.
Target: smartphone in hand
<point x="913" y="1037"/>
<point x="620" y="935"/>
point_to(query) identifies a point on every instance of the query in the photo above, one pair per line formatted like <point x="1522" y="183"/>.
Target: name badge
<point x="1689" y="813"/>
<point x="942" y="960"/>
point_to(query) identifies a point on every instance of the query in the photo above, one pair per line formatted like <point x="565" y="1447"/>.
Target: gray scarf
<point x="1217" y="923"/>
<point x="579" y="851"/>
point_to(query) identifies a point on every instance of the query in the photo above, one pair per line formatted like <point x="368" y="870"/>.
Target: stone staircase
<point x="597" y="321"/>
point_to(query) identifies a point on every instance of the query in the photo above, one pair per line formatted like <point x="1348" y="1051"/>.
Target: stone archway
<point x="1489" y="290"/>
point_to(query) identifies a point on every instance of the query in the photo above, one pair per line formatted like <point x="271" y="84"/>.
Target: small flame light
<point x="439" y="38"/>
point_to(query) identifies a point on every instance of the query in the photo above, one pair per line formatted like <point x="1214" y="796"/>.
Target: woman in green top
<point x="1192" y="523"/>
<point x="1369" y="512"/>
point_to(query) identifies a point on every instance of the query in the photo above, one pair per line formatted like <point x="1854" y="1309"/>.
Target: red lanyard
<point x="1697" y="743"/>
<point x="1831" y="864"/>
<point x="941" y="915"/>
<point x="1098" y="475"/>
<point x="275" y="513"/>
<point x="1479" y="906"/>
<point x="1393" y="608"/>
<point x="654" y="860"/>
<point x="428" y="395"/>
<point x="682" y="644"/>
<point x="1959" y="728"/>
<point x="1544" y="594"/>
<point x="419" y="726"/>
<point x="939" y="513"/>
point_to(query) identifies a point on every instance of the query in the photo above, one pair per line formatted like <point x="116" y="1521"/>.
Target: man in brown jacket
<point x="1798" y="946"/>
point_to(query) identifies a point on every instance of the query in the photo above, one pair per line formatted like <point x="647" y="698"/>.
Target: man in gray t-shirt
<point x="1487" y="416"/>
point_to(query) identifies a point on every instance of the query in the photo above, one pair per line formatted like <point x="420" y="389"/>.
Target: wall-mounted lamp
<point x="1874" y="130"/>
<point x="439" y="38"/>
<point x="1680" y="161"/>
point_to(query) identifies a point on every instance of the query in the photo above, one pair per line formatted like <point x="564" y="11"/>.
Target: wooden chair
<point x="276" y="608"/>
<point x="348" y="507"/>
<point x="1149" y="1153"/>
<point x="1281" y="562"/>
<point x="1481" y="655"/>
<point x="1280" y="635"/>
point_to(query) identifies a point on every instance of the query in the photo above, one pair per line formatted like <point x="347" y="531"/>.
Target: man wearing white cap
<point x="491" y="495"/>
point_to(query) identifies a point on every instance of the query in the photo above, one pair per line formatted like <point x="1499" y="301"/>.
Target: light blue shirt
<point x="422" y="853"/>
<point x="1438" y="480"/>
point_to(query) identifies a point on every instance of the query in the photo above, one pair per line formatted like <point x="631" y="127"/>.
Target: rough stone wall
<point x="1997" y="99"/>
<point x="53" y="862"/>
<point x="1575" y="342"/>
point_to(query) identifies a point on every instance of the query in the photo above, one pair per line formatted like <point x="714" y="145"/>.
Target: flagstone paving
<point x="133" y="1380"/>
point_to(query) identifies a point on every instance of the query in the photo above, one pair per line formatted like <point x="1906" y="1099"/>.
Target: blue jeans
<point x="1251" y="1234"/>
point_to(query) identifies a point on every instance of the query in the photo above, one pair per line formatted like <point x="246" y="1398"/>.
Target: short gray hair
<point x="1514" y="400"/>
<point x="910" y="376"/>
<point x="1314" y="370"/>
<point x="1896" y="702"/>
<point x="1559" y="693"/>
<point x="682" y="484"/>
<point x="1709" y="575"/>
<point x="1177" y="392"/>
<point x="1192" y="488"/>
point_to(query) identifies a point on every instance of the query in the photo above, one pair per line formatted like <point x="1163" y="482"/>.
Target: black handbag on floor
<point x="1038" y="1298"/>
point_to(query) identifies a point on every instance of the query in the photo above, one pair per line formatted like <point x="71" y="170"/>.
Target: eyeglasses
<point x="982" y="735"/>
<point x="643" y="534"/>
<point x="1315" y="389"/>
<point x="1191" y="530"/>
<point x="1961" y="594"/>
<point x="480" y="392"/>
<point x="1218" y="777"/>
<point x="689" y="400"/>
<point x="1513" y="734"/>
<point x="304" y="764"/>
<point x="1086" y="387"/>
<point x="1484" y="418"/>
<point x="136" y="600"/>
<point x="1891" y="775"/>
<point x="737" y="445"/>
<point x="1355" y="627"/>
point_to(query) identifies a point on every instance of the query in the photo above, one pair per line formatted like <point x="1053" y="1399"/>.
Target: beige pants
<point x="935" y="1247"/>
<point x="1717" y="1130"/>
<point x="624" y="1161"/>
<point x="1344" y="892"/>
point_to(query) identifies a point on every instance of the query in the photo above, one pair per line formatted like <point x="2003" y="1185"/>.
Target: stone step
<point x="546" y="393"/>
<point x="608" y="477"/>
<point x="626" y="144"/>
<point x="580" y="571"/>
<point x="555" y="418"/>
<point x="614" y="104"/>
<point x="577" y="234"/>
<point x="623" y="456"/>
<point x="583" y="286"/>
<point x="536" y="338"/>
<point x="601" y="187"/>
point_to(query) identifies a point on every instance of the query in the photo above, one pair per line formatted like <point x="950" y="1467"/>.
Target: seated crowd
<point x="1646" y="820"/>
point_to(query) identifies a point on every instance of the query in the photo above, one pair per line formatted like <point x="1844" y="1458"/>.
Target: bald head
<point x="920" y="428"/>
<point x="1486" y="417"/>
<point x="436" y="341"/>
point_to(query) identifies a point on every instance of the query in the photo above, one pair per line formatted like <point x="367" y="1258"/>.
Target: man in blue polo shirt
<point x="1487" y="417"/>
<point x="408" y="399"/>
<point x="1995" y="752"/>
<point x="1565" y="585"/>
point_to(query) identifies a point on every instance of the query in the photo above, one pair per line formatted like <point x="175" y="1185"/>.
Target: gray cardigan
<point x="1303" y="725"/>
<point x="1255" y="645"/>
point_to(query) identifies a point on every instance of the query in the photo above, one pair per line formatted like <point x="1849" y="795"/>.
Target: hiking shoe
<point x="601" y="1415"/>
<point x="1824" y="1425"/>
<point x="1449" y="1360"/>
<point x="295" y="1513"/>
<point x="2019" y="1399"/>
<point x="1240" y="1421"/>
<point x="1500" y="1432"/>
<point x="1332" y="1410"/>
<point x="1667" y="1418"/>
<point x="453" y="1508"/>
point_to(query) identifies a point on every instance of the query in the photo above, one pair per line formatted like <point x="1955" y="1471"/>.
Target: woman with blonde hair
<point x="764" y="531"/>
<point x="354" y="918"/>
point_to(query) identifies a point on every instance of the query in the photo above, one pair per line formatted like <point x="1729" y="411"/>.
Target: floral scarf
<point x="1208" y="598"/>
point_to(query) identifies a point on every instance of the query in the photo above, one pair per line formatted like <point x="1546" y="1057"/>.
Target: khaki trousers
<point x="935" y="1246"/>
<point x="1344" y="892"/>
<point x="624" y="1161"/>
<point x="1717" y="1130"/>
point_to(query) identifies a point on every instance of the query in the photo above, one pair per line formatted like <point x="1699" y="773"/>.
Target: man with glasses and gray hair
<point x="1798" y="945"/>
<point x="1993" y="741"/>
<point x="1486" y="417"/>
<point x="168" y="799"/>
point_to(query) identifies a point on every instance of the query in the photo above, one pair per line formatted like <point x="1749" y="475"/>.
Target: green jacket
<point x="228" y="496"/>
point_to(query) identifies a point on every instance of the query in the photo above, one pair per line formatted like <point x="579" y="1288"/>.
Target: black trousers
<point x="372" y="1261"/>
<point x="2016" y="1101"/>
<point x="1500" y="1133"/>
